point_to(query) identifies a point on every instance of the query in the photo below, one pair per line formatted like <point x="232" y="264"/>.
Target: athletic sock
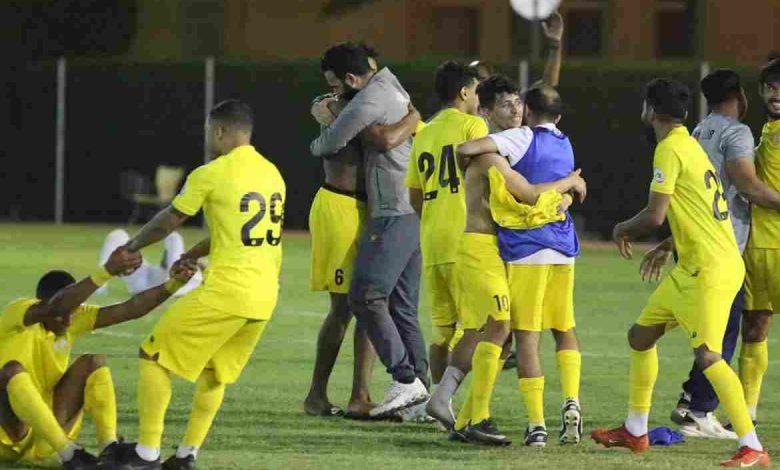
<point x="641" y="377"/>
<point x="532" y="389"/>
<point x="154" y="394"/>
<point x="753" y="363"/>
<point x="727" y="387"/>
<point x="182" y="452"/>
<point x="485" y="369"/>
<point x="464" y="416"/>
<point x="205" y="404"/>
<point x="29" y="406"/>
<point x="100" y="403"/>
<point x="636" y="423"/>
<point x="569" y="366"/>
<point x="751" y="440"/>
<point x="450" y="381"/>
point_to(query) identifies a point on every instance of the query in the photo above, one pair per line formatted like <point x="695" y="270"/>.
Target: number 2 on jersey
<point x="276" y="217"/>
<point x="448" y="171"/>
<point x="709" y="176"/>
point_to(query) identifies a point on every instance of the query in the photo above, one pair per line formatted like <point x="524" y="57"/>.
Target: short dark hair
<point x="345" y="58"/>
<point x="233" y="113"/>
<point x="770" y="73"/>
<point x="720" y="86"/>
<point x="371" y="51"/>
<point x="772" y="55"/>
<point x="489" y="89"/>
<point x="51" y="283"/>
<point x="544" y="101"/>
<point x="451" y="77"/>
<point x="668" y="97"/>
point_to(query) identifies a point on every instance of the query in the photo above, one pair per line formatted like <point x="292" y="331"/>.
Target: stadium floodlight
<point x="535" y="10"/>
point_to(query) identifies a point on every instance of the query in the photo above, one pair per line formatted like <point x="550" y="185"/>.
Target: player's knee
<point x="755" y="327"/>
<point x="442" y="335"/>
<point x="565" y="339"/>
<point x="10" y="370"/>
<point x="705" y="358"/>
<point x="639" y="339"/>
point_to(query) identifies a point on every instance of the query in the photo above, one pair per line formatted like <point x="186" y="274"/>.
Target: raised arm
<point x="64" y="301"/>
<point x="553" y="32"/>
<point x="165" y="222"/>
<point x="146" y="301"/>
<point x="386" y="137"/>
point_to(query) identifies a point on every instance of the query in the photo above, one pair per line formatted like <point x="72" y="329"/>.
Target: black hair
<point x="371" y="51"/>
<point x="770" y="73"/>
<point x="772" y="55"/>
<point x="345" y="58"/>
<point x="720" y="85"/>
<point x="451" y="77"/>
<point x="233" y="113"/>
<point x="51" y="283"/>
<point x="489" y="89"/>
<point x="668" y="97"/>
<point x="477" y="64"/>
<point x="544" y="101"/>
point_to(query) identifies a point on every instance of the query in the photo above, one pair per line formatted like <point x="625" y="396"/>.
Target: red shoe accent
<point x="747" y="457"/>
<point x="620" y="437"/>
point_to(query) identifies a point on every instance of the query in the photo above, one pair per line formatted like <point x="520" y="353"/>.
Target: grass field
<point x="262" y="426"/>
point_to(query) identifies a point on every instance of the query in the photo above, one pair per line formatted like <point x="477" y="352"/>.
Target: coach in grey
<point x="730" y="146"/>
<point x="386" y="278"/>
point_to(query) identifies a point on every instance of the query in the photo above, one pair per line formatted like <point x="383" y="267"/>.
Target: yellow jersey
<point x="698" y="213"/>
<point x="765" y="226"/>
<point x="45" y="356"/>
<point x="432" y="169"/>
<point x="242" y="195"/>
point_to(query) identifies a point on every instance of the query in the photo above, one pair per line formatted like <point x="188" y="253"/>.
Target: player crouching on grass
<point x="697" y="294"/>
<point x="42" y="397"/>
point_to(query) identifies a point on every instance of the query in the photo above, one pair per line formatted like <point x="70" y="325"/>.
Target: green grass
<point x="261" y="424"/>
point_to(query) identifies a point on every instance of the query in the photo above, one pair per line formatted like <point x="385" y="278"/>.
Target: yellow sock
<point x="205" y="404"/>
<point x="485" y="369"/>
<point x="753" y="363"/>
<point x="464" y="416"/>
<point x="641" y="378"/>
<point x="154" y="394"/>
<point x="532" y="389"/>
<point x="100" y="403"/>
<point x="569" y="366"/>
<point x="28" y="405"/>
<point x="727" y="387"/>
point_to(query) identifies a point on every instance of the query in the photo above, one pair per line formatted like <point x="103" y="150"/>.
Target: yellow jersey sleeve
<point x="666" y="170"/>
<point x="12" y="318"/>
<point x="477" y="128"/>
<point x="420" y="126"/>
<point x="412" y="179"/>
<point x="195" y="191"/>
<point x="83" y="321"/>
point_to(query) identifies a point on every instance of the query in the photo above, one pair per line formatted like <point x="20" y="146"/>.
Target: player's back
<point x="698" y="212"/>
<point x="244" y="209"/>
<point x="434" y="170"/>
<point x="766" y="222"/>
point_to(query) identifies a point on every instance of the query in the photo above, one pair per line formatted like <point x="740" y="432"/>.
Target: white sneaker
<point x="707" y="427"/>
<point x="416" y="414"/>
<point x="400" y="396"/>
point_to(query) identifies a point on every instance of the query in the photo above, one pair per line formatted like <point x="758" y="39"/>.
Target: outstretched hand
<point x="553" y="27"/>
<point x="123" y="262"/>
<point x="653" y="262"/>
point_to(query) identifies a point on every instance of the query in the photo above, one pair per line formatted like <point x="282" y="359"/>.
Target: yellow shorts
<point x="702" y="308"/>
<point x="33" y="447"/>
<point x="542" y="296"/>
<point x="481" y="280"/>
<point x="335" y="223"/>
<point x="762" y="279"/>
<point x="191" y="336"/>
<point x="440" y="287"/>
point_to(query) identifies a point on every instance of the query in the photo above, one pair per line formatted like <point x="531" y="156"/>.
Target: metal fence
<point x="71" y="128"/>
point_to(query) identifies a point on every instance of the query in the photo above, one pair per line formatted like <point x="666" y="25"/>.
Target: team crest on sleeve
<point x="658" y="176"/>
